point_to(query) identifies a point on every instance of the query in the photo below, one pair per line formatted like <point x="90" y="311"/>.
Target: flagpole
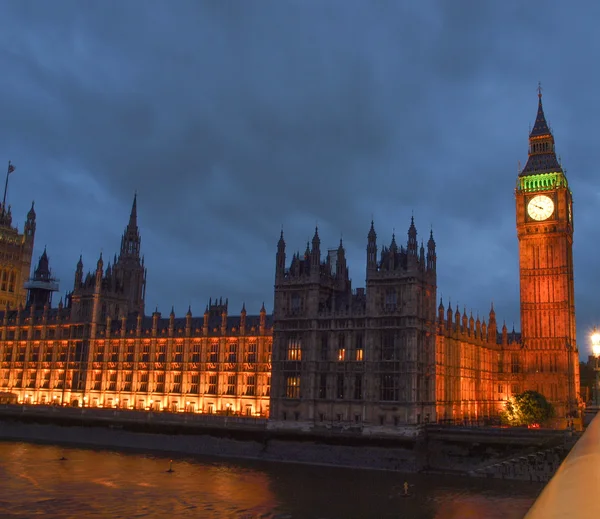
<point x="5" y="189"/>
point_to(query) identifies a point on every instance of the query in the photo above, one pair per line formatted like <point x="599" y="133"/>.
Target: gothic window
<point x="232" y="353"/>
<point x="250" y="385"/>
<point x="143" y="380"/>
<point x="339" y="389"/>
<point x="130" y="352"/>
<point x="390" y="299"/>
<point x="292" y="386"/>
<point x="231" y="383"/>
<point x="514" y="363"/>
<point x="212" y="385"/>
<point x="359" y="346"/>
<point x="387" y="346"/>
<point x="4" y="280"/>
<point x="251" y="353"/>
<point x="323" y="386"/>
<point x="178" y="354"/>
<point x="294" y="348"/>
<point x="145" y="357"/>
<point x="341" y="347"/>
<point x="11" y="282"/>
<point x="358" y="389"/>
<point x="324" y="347"/>
<point x="161" y="353"/>
<point x="214" y="352"/>
<point x="388" y="388"/>
<point x="296" y="302"/>
<point x="195" y="352"/>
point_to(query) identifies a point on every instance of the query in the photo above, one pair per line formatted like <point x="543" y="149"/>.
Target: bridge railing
<point x="574" y="491"/>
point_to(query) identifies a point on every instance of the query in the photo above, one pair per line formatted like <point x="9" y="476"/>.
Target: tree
<point x="527" y="408"/>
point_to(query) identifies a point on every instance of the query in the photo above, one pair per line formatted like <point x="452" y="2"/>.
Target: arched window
<point x="11" y="282"/>
<point x="4" y="280"/>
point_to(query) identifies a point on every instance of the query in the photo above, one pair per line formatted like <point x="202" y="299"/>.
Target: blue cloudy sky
<point x="232" y="118"/>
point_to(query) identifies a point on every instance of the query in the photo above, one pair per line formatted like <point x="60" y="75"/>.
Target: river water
<point x="34" y="481"/>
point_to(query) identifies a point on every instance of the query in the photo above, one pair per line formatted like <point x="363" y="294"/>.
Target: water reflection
<point x="99" y="483"/>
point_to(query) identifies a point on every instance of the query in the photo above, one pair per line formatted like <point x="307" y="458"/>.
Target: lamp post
<point x="596" y="352"/>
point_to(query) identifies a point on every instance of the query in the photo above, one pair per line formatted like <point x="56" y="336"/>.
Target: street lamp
<point x="596" y="352"/>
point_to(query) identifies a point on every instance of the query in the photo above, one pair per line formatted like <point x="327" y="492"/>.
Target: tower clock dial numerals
<point x="540" y="207"/>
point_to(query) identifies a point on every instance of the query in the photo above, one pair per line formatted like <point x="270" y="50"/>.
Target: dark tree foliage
<point x="527" y="408"/>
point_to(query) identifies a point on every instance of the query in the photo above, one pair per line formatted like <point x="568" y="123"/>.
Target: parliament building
<point x="384" y="356"/>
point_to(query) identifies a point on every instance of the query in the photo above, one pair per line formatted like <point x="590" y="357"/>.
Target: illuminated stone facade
<point x="16" y="250"/>
<point x="101" y="350"/>
<point x="373" y="357"/>
<point x="547" y="358"/>
<point x="376" y="357"/>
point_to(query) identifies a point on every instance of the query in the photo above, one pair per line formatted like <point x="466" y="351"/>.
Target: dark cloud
<point x="231" y="119"/>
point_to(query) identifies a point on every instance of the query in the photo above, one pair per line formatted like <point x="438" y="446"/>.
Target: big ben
<point x="544" y="210"/>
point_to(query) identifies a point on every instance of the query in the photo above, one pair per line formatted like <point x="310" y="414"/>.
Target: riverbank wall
<point x="439" y="449"/>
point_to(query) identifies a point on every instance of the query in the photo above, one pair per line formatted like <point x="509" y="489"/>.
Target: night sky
<point x="231" y="119"/>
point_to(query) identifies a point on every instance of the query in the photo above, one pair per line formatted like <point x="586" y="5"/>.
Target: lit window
<point x="294" y="349"/>
<point x="292" y="386"/>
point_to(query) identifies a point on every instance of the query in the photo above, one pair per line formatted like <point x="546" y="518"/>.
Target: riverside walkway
<point x="573" y="492"/>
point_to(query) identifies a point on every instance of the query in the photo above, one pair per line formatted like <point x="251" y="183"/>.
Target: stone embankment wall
<point x="481" y="452"/>
<point x="537" y="466"/>
<point x="366" y="457"/>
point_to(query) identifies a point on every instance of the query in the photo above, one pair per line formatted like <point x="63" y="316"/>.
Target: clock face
<point x="540" y="207"/>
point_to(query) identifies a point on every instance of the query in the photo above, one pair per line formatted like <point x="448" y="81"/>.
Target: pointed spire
<point x="130" y="241"/>
<point x="412" y="237"/>
<point x="441" y="307"/>
<point x="262" y="308"/>
<point x="542" y="156"/>
<point x="133" y="214"/>
<point x="172" y="311"/>
<point x="540" y="126"/>
<point x="316" y="241"/>
<point x="189" y="312"/>
<point x="372" y="234"/>
<point x="243" y="308"/>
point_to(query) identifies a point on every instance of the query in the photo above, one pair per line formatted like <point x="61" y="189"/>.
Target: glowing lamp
<point x="596" y="343"/>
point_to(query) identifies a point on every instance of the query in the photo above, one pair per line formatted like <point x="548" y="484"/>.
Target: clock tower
<point x="550" y="361"/>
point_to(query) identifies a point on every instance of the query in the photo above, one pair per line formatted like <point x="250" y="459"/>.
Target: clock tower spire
<point x="550" y="362"/>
